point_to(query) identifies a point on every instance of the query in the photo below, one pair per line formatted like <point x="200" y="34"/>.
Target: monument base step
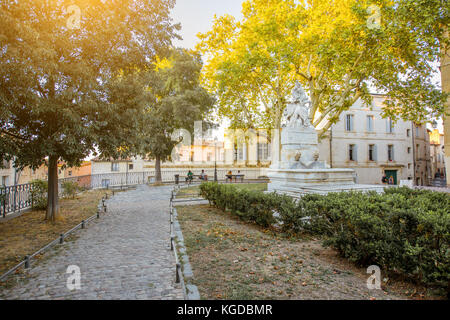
<point x="296" y="182"/>
<point x="325" y="189"/>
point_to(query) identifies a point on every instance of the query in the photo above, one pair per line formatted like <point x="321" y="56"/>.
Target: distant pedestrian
<point x="384" y="180"/>
<point x="391" y="180"/>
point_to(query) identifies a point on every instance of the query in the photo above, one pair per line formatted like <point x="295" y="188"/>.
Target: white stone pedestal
<point x="296" y="182"/>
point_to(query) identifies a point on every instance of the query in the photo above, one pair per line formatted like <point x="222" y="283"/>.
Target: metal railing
<point x="15" y="198"/>
<point x="60" y="240"/>
<point x="20" y="197"/>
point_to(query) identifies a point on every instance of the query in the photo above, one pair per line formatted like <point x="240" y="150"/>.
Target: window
<point x="372" y="152"/>
<point x="370" y="123"/>
<point x="114" y="166"/>
<point x="208" y="156"/>
<point x="417" y="132"/>
<point x="409" y="149"/>
<point x="349" y="123"/>
<point x="408" y="132"/>
<point x="130" y="166"/>
<point x="390" y="152"/>
<point x="409" y="165"/>
<point x="417" y="152"/>
<point x="239" y="152"/>
<point x="7" y="164"/>
<point x="263" y="151"/>
<point x="389" y="125"/>
<point x="4" y="181"/>
<point x="352" y="152"/>
<point x="70" y="173"/>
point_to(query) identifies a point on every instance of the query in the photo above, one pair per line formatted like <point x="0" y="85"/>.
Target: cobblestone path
<point x="124" y="255"/>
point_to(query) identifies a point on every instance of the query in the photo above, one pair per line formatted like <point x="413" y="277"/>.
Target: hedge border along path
<point x="404" y="231"/>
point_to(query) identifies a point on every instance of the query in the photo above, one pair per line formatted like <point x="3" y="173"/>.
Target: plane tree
<point x="57" y="79"/>
<point x="340" y="51"/>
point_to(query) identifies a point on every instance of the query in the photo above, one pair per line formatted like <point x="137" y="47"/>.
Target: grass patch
<point x="29" y="232"/>
<point x="232" y="259"/>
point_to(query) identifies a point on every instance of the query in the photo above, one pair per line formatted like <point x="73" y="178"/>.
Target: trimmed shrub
<point x="252" y="206"/>
<point x="39" y="194"/>
<point x="403" y="231"/>
<point x="70" y="189"/>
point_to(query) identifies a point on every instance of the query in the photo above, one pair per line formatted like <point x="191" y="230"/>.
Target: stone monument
<point x="299" y="170"/>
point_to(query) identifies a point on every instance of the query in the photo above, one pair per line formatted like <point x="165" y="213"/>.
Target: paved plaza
<point x="124" y="255"/>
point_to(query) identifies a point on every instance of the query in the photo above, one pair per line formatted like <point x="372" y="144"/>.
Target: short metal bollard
<point x="98" y="214"/>
<point x="177" y="276"/>
<point x="27" y="262"/>
<point x="83" y="224"/>
<point x="61" y="238"/>
<point x="171" y="242"/>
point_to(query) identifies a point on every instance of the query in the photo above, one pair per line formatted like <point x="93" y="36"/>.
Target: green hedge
<point x="39" y="194"/>
<point x="403" y="230"/>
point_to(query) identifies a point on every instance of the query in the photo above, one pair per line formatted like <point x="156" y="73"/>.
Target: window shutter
<point x="387" y="125"/>
<point x="355" y="152"/>
<point x="351" y="122"/>
<point x="393" y="156"/>
<point x="375" y="157"/>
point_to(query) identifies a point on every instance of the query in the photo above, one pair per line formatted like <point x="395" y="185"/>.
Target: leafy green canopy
<point x="57" y="83"/>
<point x="332" y="48"/>
<point x="178" y="101"/>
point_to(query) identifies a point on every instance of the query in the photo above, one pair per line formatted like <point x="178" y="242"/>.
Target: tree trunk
<point x="158" y="169"/>
<point x="52" y="194"/>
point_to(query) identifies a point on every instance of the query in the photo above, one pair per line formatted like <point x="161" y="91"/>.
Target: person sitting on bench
<point x="229" y="176"/>
<point x="189" y="177"/>
<point x="203" y="176"/>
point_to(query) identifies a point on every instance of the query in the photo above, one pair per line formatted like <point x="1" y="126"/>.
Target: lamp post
<point x="215" y="159"/>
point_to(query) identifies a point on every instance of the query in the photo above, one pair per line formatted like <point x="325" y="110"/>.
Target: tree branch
<point x="13" y="135"/>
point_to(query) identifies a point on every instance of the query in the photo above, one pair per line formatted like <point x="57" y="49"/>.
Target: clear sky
<point x="197" y="16"/>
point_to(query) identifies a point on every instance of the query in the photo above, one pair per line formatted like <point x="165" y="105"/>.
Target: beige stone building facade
<point x="7" y="174"/>
<point x="422" y="160"/>
<point x="375" y="146"/>
<point x="437" y="154"/>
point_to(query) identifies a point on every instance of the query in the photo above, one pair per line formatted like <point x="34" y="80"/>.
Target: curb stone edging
<point x="191" y="290"/>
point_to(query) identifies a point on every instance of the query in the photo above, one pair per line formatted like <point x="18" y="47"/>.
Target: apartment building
<point x="437" y="154"/>
<point x="375" y="146"/>
<point x="422" y="161"/>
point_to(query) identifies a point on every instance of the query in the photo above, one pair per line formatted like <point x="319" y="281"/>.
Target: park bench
<point x="193" y="177"/>
<point x="235" y="176"/>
